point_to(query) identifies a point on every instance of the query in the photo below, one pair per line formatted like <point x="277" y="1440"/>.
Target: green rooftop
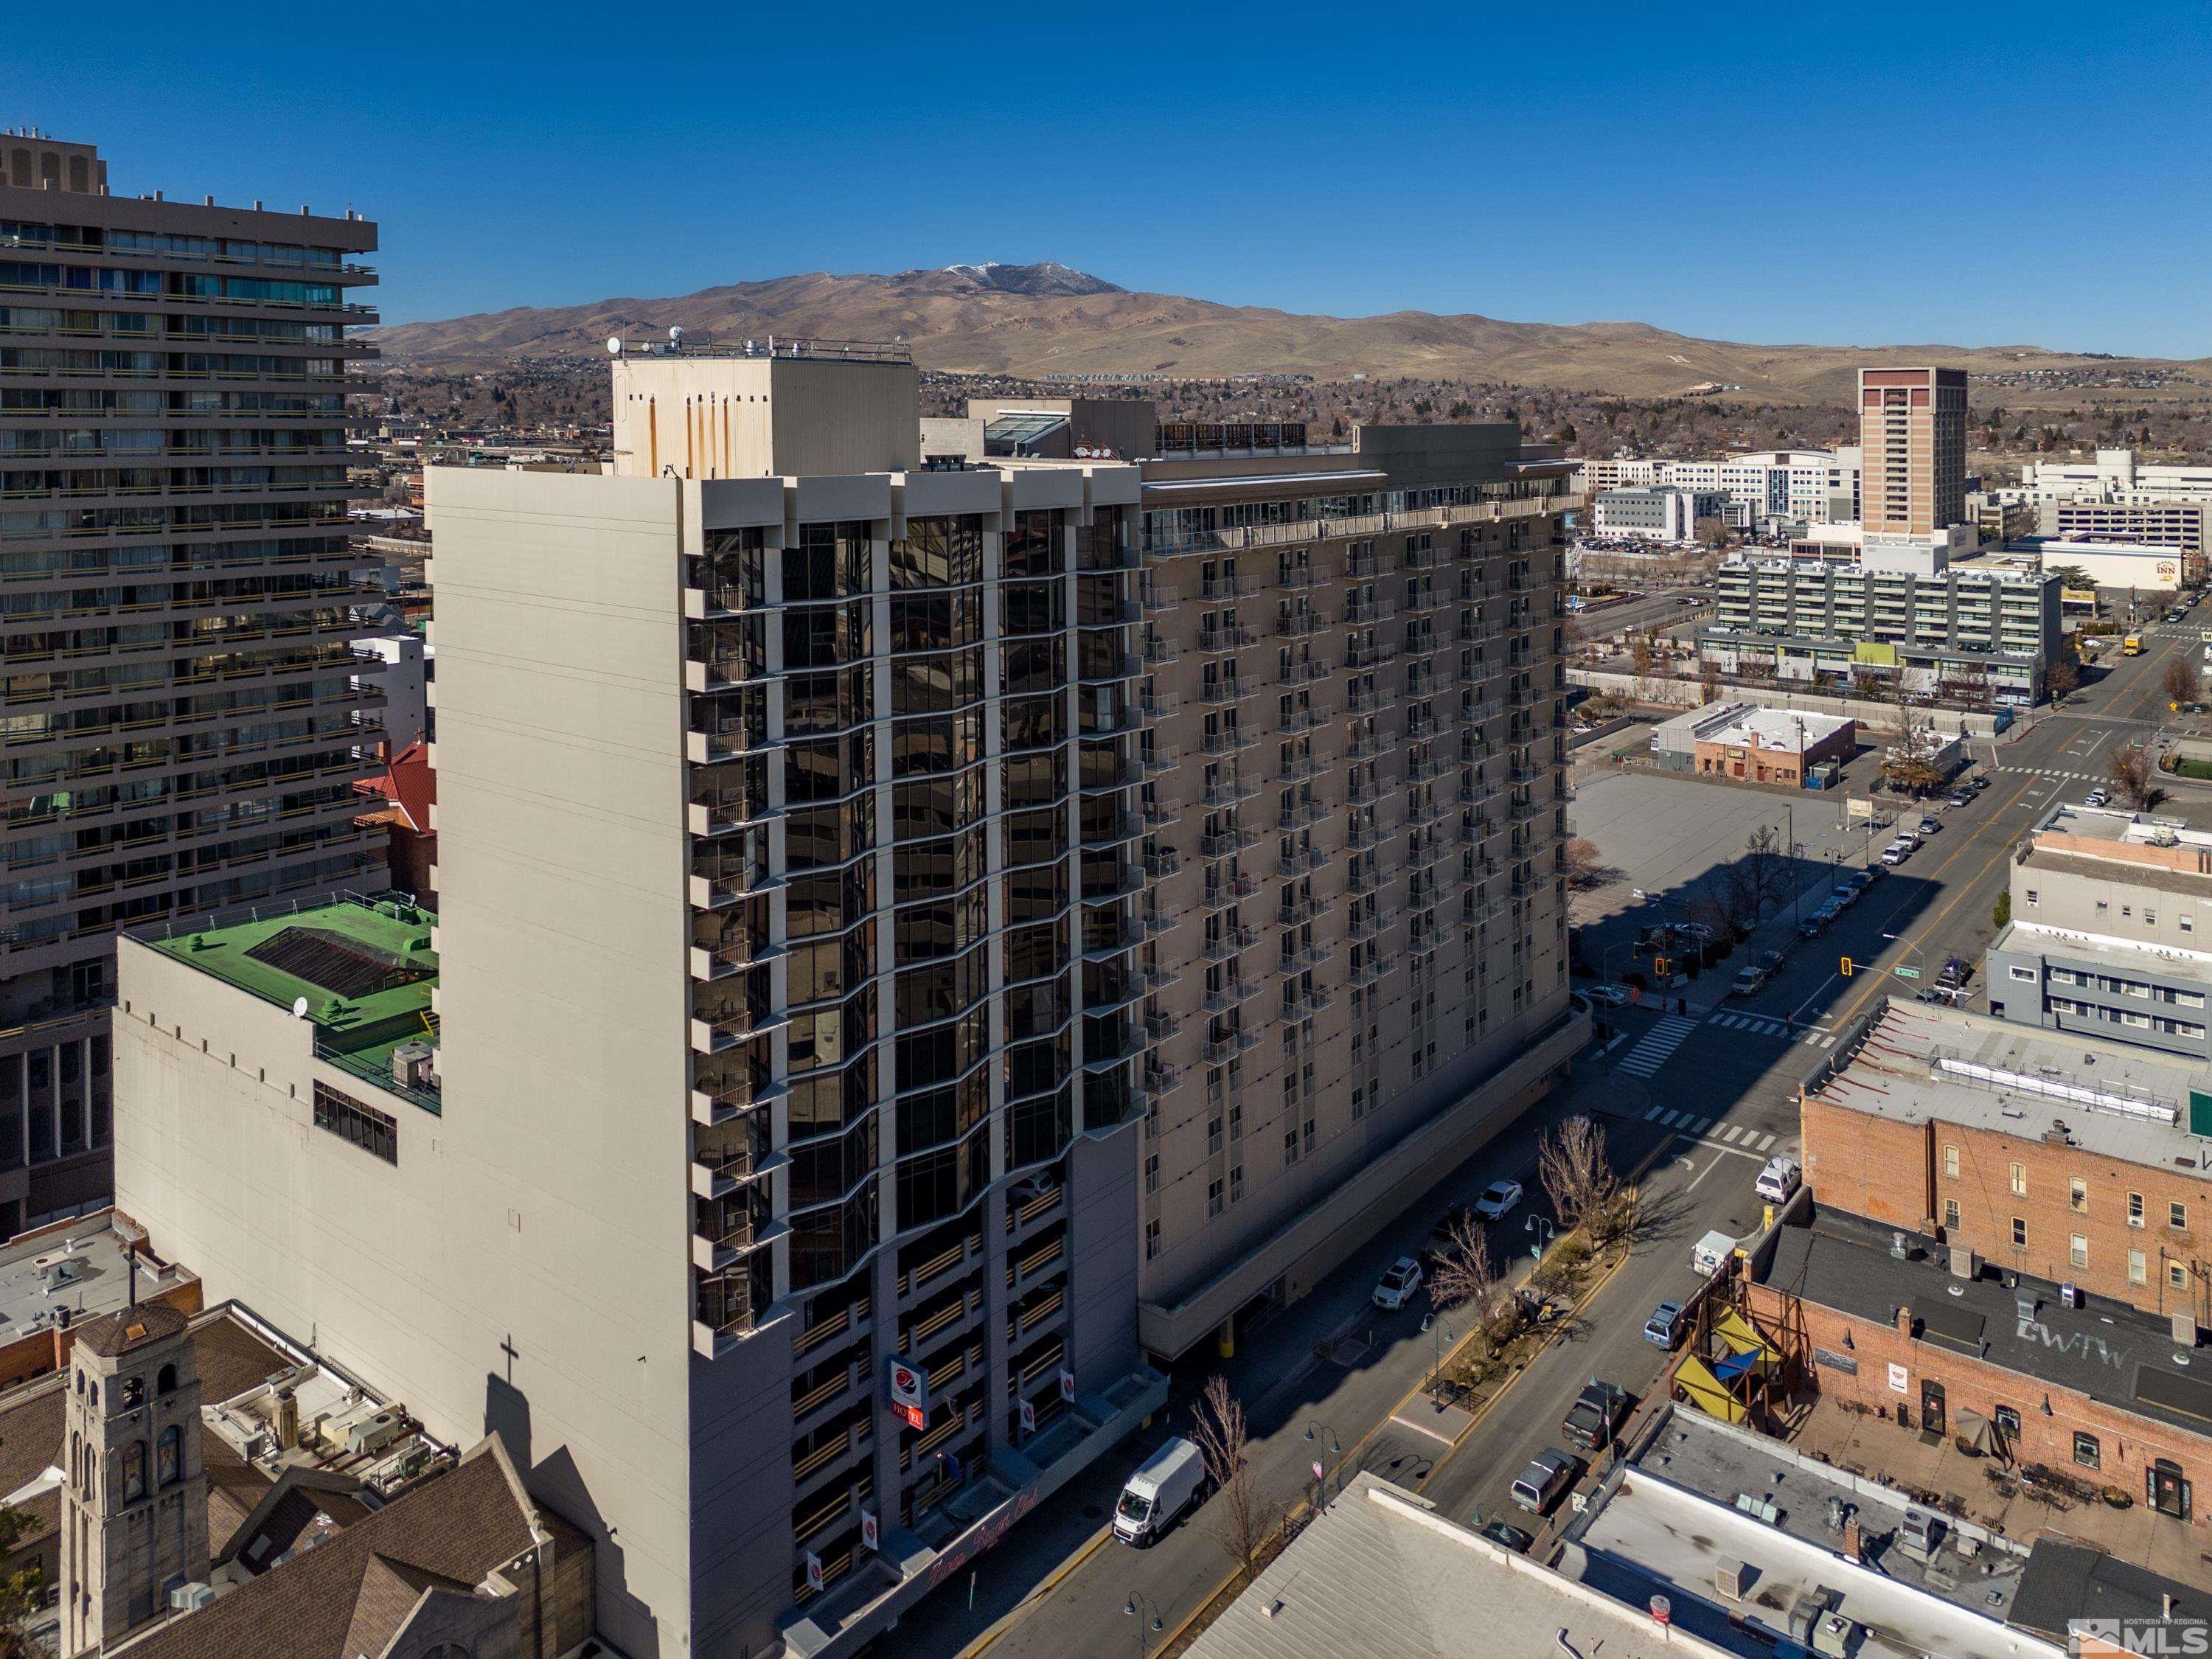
<point x="365" y="971"/>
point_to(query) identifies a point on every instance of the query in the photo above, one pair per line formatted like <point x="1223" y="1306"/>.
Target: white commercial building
<point x="2116" y="476"/>
<point x="2119" y="564"/>
<point x="1811" y="486"/>
<point x="1659" y="513"/>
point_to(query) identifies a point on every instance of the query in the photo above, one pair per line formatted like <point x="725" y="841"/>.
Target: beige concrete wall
<point x="752" y="417"/>
<point x="563" y="947"/>
<point x="524" y="1269"/>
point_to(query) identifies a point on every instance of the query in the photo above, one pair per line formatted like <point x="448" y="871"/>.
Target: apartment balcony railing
<point x="1306" y="1004"/>
<point x="1213" y="641"/>
<point x="1362" y="613"/>
<point x="1159" y="866"/>
<point x="1221" y="894"/>
<point x="1429" y="766"/>
<point x="1370" y="971"/>
<point x="1296" y="769"/>
<point x="1295" y="912"/>
<point x="1302" y="673"/>
<point x="1301" y="815"/>
<point x="1299" y="720"/>
<point x="1369" y="700"/>
<point x="1230" y="788"/>
<point x="1231" y="995"/>
<point x="1228" y="942"/>
<point x="1215" y="589"/>
<point x="1228" y="689"/>
<point x="1156" y="759"/>
<point x="1299" y="624"/>
<point x="1228" y="740"/>
<point x="1157" y="648"/>
<point x="1300" y="861"/>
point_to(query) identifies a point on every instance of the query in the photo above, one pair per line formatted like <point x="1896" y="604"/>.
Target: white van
<point x="1707" y="1255"/>
<point x="1778" y="1180"/>
<point x="1165" y="1484"/>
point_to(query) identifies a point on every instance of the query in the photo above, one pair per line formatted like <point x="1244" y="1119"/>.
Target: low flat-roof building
<point x="2091" y="1396"/>
<point x="1382" y="1574"/>
<point x="1738" y="1533"/>
<point x="1744" y="741"/>
<point x="2142" y="568"/>
<point x="2065" y="1158"/>
<point x="1656" y="512"/>
<point x="2111" y="933"/>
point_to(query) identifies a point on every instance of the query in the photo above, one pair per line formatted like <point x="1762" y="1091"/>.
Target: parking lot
<point x="1665" y="837"/>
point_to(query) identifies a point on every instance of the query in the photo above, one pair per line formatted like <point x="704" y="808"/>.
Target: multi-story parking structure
<point x="183" y="700"/>
<point x="1970" y="633"/>
<point x="1353" y="800"/>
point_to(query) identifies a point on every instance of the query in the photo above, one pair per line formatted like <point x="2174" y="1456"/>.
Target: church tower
<point x="134" y="1507"/>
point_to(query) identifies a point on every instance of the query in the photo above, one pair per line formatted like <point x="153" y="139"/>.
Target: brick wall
<point x="1900" y="1175"/>
<point x="1869" y="1165"/>
<point x="2126" y="1444"/>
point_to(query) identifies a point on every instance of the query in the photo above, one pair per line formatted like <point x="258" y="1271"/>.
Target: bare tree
<point x="1217" y="1428"/>
<point x="1716" y="911"/>
<point x="1642" y="659"/>
<point x="2179" y="681"/>
<point x="1709" y="680"/>
<point x="2060" y="679"/>
<point x="1580" y="861"/>
<point x="1466" y="1272"/>
<point x="2131" y="774"/>
<point x="1909" y="766"/>
<point x="1571" y="1163"/>
<point x="1866" y="685"/>
<point x="1759" y="879"/>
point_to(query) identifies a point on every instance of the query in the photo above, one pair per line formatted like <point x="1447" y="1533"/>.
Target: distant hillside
<point x="1044" y="320"/>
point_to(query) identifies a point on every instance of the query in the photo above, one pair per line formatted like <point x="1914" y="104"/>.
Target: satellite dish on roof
<point x="674" y="335"/>
<point x="299" y="1007"/>
<point x="614" y="345"/>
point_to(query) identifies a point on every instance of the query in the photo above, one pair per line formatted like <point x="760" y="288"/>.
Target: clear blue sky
<point x="1861" y="174"/>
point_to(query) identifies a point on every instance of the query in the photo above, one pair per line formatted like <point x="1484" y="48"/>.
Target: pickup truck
<point x="1597" y="1413"/>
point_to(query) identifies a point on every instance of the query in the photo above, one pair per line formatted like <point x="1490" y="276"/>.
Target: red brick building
<point x="2063" y="1157"/>
<point x="2091" y="1393"/>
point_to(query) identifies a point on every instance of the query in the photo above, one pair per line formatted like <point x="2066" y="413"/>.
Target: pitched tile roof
<point x="350" y="1595"/>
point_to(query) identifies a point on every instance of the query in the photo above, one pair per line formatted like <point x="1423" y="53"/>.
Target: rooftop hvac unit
<point x="410" y="1064"/>
<point x="191" y="1597"/>
<point x="1733" y="1579"/>
<point x="1834" y="1636"/>
<point x="1919" y="1533"/>
<point x="375" y="1433"/>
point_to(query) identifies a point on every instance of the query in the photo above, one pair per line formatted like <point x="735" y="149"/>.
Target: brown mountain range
<point x="1043" y="320"/>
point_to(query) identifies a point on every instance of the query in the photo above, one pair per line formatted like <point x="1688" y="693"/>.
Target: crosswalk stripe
<point x="1701" y="1126"/>
<point x="1730" y="1133"/>
<point x="1669" y="1118"/>
<point x="1653" y="1114"/>
<point x="1764" y="1141"/>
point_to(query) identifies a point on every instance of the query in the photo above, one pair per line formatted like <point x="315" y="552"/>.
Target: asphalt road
<point x="1716" y="1101"/>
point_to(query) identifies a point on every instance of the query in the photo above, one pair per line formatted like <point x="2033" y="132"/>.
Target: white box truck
<point x="1166" y="1485"/>
<point x="1707" y="1255"/>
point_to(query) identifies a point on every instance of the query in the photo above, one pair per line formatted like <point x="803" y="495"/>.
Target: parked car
<point x="1597" y="1413"/>
<point x="1549" y="1474"/>
<point x="1960" y="797"/>
<point x="1442" y="1240"/>
<point x="1497" y="1200"/>
<point x="1770" y="962"/>
<point x="1748" y="982"/>
<point x="1811" y="927"/>
<point x="1843" y="894"/>
<point x="1897" y="851"/>
<point x="1166" y="1485"/>
<point x="1608" y="996"/>
<point x="1506" y="1535"/>
<point x="1862" y="879"/>
<point x="1664" y="1329"/>
<point x="1930" y="825"/>
<point x="1778" y="1179"/>
<point x="1399" y="1282"/>
<point x="2096" y="798"/>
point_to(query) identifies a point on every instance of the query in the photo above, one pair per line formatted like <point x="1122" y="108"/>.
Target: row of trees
<point x="1586" y="1194"/>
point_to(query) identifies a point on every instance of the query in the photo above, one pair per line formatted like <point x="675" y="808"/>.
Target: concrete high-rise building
<point x="1354" y="802"/>
<point x="916" y="940"/>
<point x="180" y="676"/>
<point x="1913" y="443"/>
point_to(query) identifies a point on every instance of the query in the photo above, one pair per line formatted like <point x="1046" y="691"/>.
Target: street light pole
<point x="1321" y="1479"/>
<point x="1146" y="1611"/>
